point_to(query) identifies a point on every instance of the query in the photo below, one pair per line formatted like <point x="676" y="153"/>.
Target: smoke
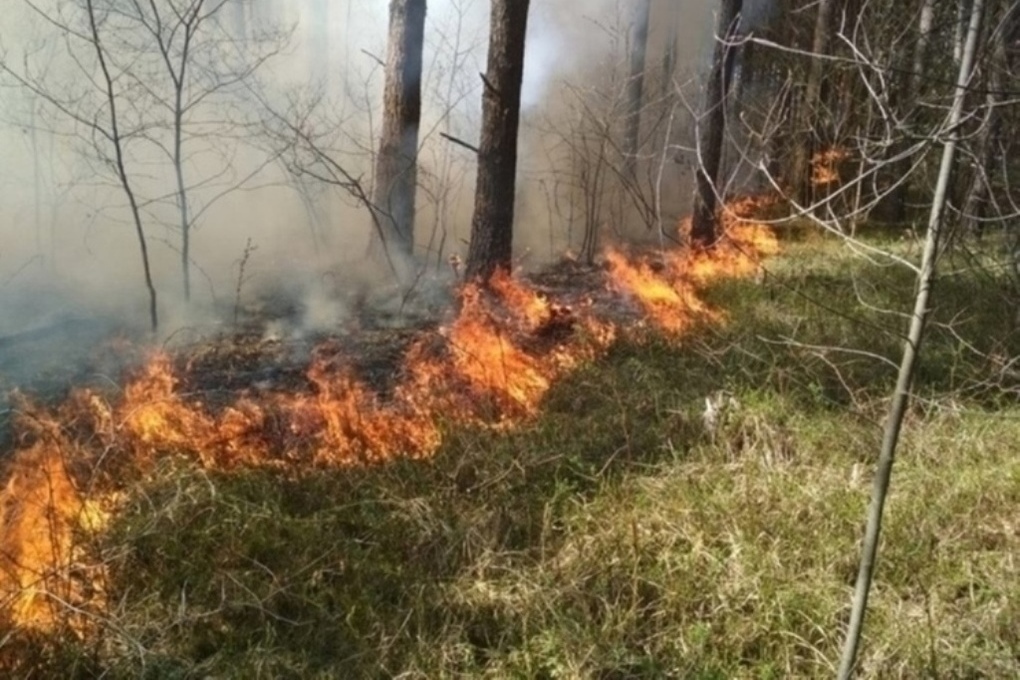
<point x="67" y="245"/>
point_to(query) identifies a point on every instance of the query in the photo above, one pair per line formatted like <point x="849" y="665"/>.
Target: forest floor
<point x="622" y="531"/>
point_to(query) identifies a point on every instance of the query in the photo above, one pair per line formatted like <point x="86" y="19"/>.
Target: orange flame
<point x="668" y="300"/>
<point x="825" y="165"/>
<point x="667" y="287"/>
<point x="42" y="573"/>
<point x="492" y="365"/>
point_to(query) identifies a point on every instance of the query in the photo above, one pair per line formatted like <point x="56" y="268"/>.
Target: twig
<point x="460" y="142"/>
<point x="248" y="250"/>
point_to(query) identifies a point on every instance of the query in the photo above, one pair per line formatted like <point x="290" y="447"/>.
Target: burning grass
<point x="611" y="535"/>
<point x="490" y="366"/>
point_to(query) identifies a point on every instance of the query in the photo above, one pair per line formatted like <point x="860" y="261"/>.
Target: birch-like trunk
<point x="901" y="395"/>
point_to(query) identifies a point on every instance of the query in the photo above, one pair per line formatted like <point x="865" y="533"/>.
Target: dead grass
<point x="616" y="537"/>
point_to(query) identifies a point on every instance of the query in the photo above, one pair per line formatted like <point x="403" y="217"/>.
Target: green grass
<point x="614" y="537"/>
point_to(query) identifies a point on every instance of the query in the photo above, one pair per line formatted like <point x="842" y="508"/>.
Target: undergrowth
<point x="619" y="535"/>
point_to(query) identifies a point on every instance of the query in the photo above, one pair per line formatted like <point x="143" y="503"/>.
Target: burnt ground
<point x="265" y="349"/>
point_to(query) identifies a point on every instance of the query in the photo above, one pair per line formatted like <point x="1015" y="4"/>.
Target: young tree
<point x="188" y="36"/>
<point x="911" y="349"/>
<point x="113" y="135"/>
<point x="396" y="166"/>
<point x="491" y="244"/>
<point x="712" y="126"/>
<point x="98" y="113"/>
<point x="162" y="78"/>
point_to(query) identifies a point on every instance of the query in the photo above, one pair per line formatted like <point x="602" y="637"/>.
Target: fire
<point x="738" y="252"/>
<point x="666" y="288"/>
<point x="348" y="424"/>
<point x="667" y="299"/>
<point x="825" y="166"/>
<point x="484" y="354"/>
<point x="42" y="515"/>
<point x="491" y="365"/>
<point x="525" y="304"/>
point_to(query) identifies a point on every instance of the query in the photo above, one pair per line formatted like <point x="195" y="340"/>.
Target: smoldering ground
<point x="278" y="241"/>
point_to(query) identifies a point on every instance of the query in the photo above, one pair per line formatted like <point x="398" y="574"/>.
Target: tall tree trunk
<point x="921" y="47"/>
<point x="396" y="167"/>
<point x="712" y="127"/>
<point x="979" y="193"/>
<point x="807" y="110"/>
<point x="911" y="349"/>
<point x="960" y="28"/>
<point x="669" y="58"/>
<point x="636" y="84"/>
<point x="492" y="224"/>
<point x="893" y="207"/>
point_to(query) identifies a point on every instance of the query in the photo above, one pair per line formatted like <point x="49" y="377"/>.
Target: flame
<point x="491" y="365"/>
<point x="528" y="306"/>
<point x="666" y="288"/>
<point x="825" y="165"/>
<point x="666" y="297"/>
<point x="43" y="573"/>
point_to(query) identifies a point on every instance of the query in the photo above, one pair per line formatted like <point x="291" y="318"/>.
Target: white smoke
<point x="63" y="221"/>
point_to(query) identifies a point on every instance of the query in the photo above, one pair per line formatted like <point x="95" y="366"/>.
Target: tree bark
<point x="921" y="47"/>
<point x="491" y="244"/>
<point x="893" y="207"/>
<point x="636" y="84"/>
<point x="396" y="168"/>
<point x="915" y="336"/>
<point x="712" y="126"/>
<point x="800" y="167"/>
<point x="979" y="193"/>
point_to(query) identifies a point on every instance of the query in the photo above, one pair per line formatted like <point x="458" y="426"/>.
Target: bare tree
<point x="712" y="126"/>
<point x="911" y="350"/>
<point x="396" y="166"/>
<point x="102" y="123"/>
<point x="167" y="73"/>
<point x="491" y="244"/>
<point x="190" y="69"/>
<point x="116" y="141"/>
<point x="188" y="36"/>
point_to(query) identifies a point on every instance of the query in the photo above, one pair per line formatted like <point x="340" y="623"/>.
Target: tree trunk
<point x="915" y="336"/>
<point x="396" y="167"/>
<point x="979" y="191"/>
<point x="492" y="224"/>
<point x="807" y="110"/>
<point x="669" y="56"/>
<point x="712" y="126"/>
<point x="636" y="84"/>
<point x="921" y="48"/>
<point x="893" y="207"/>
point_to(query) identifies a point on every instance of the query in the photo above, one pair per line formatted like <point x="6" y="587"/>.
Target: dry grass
<point x="616" y="537"/>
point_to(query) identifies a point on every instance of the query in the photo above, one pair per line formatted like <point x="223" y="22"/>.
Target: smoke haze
<point x="67" y="244"/>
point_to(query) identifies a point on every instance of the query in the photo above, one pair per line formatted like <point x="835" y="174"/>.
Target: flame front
<point x="825" y="166"/>
<point x="490" y="366"/>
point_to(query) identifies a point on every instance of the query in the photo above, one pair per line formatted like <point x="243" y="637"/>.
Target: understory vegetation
<point x="623" y="533"/>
